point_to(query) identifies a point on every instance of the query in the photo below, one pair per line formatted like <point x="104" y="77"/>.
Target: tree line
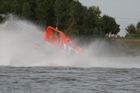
<point x="133" y="31"/>
<point x="69" y="16"/>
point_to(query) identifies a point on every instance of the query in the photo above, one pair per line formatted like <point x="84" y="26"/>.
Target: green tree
<point x="93" y="19"/>
<point x="76" y="18"/>
<point x="109" y="25"/>
<point x="138" y="27"/>
<point x="62" y="9"/>
<point x="45" y="12"/>
<point x="5" y="6"/>
<point x="26" y="11"/>
<point x="131" y="29"/>
<point x="15" y="7"/>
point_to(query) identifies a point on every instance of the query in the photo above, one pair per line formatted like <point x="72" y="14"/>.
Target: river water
<point x="69" y="80"/>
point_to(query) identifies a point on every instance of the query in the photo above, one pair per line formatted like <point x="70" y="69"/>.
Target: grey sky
<point x="124" y="11"/>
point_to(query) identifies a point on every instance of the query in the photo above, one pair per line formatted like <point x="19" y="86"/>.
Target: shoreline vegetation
<point x="70" y="16"/>
<point x="127" y="46"/>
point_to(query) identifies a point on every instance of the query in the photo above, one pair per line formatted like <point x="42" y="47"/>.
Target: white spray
<point x="22" y="44"/>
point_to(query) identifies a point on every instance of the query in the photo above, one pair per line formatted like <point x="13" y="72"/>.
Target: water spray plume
<point x="22" y="44"/>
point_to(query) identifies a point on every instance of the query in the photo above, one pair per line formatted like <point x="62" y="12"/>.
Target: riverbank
<point x="128" y="46"/>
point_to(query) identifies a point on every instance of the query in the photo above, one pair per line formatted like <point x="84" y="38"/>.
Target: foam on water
<point x="22" y="44"/>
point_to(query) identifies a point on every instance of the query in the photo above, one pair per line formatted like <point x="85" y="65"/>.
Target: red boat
<point x="59" y="39"/>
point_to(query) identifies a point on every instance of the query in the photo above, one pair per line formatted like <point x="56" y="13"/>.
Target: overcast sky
<point x="124" y="11"/>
